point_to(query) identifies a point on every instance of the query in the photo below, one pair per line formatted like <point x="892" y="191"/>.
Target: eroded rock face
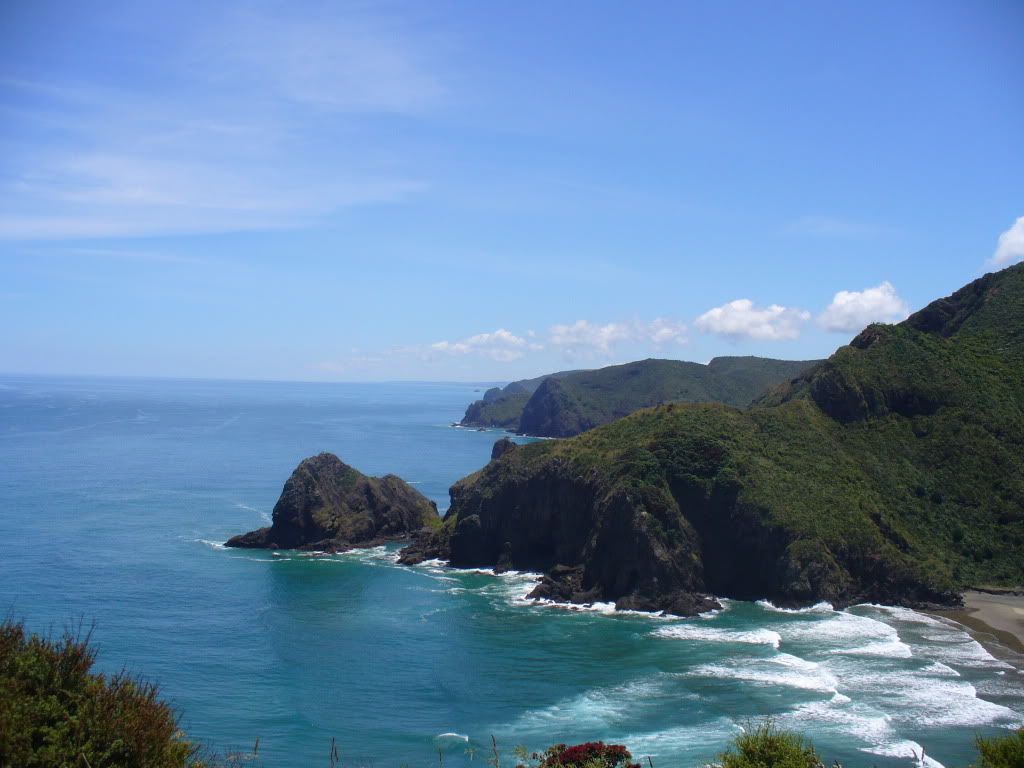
<point x="501" y="447"/>
<point x="591" y="548"/>
<point x="327" y="505"/>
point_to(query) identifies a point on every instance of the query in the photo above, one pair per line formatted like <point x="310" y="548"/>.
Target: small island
<point x="327" y="506"/>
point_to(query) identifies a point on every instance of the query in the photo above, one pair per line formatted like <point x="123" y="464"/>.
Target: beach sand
<point x="997" y="616"/>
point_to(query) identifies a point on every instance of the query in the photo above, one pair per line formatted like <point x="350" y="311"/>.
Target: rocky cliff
<point x="570" y="402"/>
<point x="327" y="505"/>
<point x="893" y="472"/>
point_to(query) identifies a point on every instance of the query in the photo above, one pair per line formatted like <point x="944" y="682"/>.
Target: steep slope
<point x="573" y="404"/>
<point x="329" y="506"/>
<point x="892" y="472"/>
<point x="501" y="407"/>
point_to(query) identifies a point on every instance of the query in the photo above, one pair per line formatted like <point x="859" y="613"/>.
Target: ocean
<point x="115" y="496"/>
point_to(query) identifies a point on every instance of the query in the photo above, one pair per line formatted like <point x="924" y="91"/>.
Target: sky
<point x="489" y="191"/>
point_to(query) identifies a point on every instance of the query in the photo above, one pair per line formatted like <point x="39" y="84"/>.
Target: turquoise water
<point x="115" y="495"/>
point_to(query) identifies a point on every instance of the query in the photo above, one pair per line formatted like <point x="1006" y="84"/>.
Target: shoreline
<point x="993" y="618"/>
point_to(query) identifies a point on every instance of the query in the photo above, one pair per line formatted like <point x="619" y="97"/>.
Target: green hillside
<point x="569" y="402"/>
<point x="894" y="471"/>
<point x="573" y="404"/>
<point x="502" y="406"/>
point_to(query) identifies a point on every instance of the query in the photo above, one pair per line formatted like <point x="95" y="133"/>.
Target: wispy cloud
<point x="1011" y="245"/>
<point x="583" y="339"/>
<point x="259" y="121"/>
<point x="741" y="319"/>
<point x="850" y="311"/>
<point x="332" y="60"/>
<point x="500" y="345"/>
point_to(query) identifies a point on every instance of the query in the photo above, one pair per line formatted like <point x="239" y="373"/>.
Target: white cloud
<point x="338" y="60"/>
<point x="740" y="319"/>
<point x="501" y="345"/>
<point x="662" y="331"/>
<point x="583" y="336"/>
<point x="1011" y="245"/>
<point x="851" y="311"/>
<point x="258" y="119"/>
<point x="586" y="339"/>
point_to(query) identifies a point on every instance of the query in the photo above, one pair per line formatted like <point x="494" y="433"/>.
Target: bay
<point x="115" y="495"/>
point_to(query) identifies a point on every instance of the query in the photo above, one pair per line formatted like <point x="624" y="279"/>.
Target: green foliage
<point x="569" y="402"/>
<point x="573" y="404"/>
<point x="1004" y="752"/>
<point x="502" y="407"/>
<point x="503" y="411"/>
<point x="893" y="471"/>
<point x="55" y="712"/>
<point x="768" y="747"/>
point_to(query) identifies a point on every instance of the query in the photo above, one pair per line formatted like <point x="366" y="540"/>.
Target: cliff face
<point x="554" y="410"/>
<point x="502" y="407"/>
<point x="893" y="472"/>
<point x="329" y="506"/>
<point x="570" y="402"/>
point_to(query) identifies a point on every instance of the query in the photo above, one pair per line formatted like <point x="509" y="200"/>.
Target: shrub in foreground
<point x="55" y="712"/>
<point x="768" y="747"/>
<point x="592" y="754"/>
<point x="1001" y="752"/>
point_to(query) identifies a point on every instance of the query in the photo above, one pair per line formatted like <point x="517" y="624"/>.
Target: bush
<point x="1001" y="752"/>
<point x="55" y="712"/>
<point x="592" y="754"/>
<point x="768" y="747"/>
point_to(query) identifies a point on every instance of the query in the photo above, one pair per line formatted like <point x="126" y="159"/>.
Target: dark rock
<point x="424" y="545"/>
<point x="553" y="411"/>
<point x="501" y="447"/>
<point x="676" y="604"/>
<point x="504" y="559"/>
<point x="327" y="505"/>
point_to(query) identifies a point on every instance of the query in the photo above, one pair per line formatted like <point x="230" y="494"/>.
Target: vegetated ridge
<point x="328" y="506"/>
<point x="571" y="402"/>
<point x="893" y="472"/>
<point x="502" y="406"/>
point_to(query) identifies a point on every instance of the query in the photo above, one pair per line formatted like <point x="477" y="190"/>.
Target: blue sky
<point x="485" y="191"/>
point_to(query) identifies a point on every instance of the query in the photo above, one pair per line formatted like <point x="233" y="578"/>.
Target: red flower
<point x="610" y="755"/>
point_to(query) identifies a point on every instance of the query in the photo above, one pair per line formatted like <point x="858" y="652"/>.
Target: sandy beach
<point x="992" y="615"/>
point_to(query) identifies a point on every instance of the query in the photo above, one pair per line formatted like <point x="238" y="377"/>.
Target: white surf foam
<point x="452" y="737"/>
<point x="705" y="633"/>
<point x="907" y="749"/>
<point x="909" y="615"/>
<point x="705" y="739"/>
<point x="893" y="649"/>
<point x="821" y="607"/>
<point x="599" y="710"/>
<point x="847" y="633"/>
<point x="434" y="563"/>
<point x="783" y="670"/>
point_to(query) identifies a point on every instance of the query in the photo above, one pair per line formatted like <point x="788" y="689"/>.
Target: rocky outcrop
<point x="554" y="410"/>
<point x="501" y="447"/>
<point x="893" y="472"/>
<point x="327" y="505"/>
<point x="665" y="544"/>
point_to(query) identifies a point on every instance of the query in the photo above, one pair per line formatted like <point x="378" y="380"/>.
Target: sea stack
<point x="328" y="506"/>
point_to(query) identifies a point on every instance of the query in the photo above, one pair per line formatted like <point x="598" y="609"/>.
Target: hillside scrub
<point x="893" y="472"/>
<point x="54" y="711"/>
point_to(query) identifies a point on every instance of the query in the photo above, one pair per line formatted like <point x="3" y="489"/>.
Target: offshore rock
<point x="326" y="505"/>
